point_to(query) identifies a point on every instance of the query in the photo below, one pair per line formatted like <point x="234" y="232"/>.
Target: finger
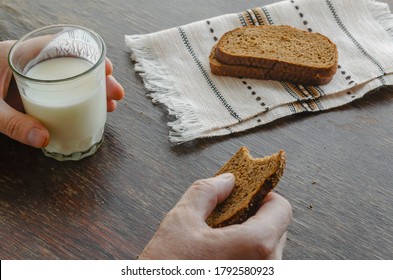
<point x="22" y="127"/>
<point x="273" y="217"/>
<point x="114" y="90"/>
<point x="277" y="254"/>
<point x="271" y="220"/>
<point x="204" y="195"/>
<point x="263" y="235"/>
<point x="108" y="67"/>
<point x="111" y="105"/>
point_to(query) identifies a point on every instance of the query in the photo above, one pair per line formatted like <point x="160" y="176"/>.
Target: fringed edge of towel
<point x="186" y="125"/>
<point x="382" y="14"/>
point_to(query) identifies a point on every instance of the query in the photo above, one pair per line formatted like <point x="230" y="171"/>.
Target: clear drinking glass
<point x="60" y="73"/>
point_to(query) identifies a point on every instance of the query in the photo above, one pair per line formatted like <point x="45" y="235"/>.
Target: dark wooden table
<point x="108" y="206"/>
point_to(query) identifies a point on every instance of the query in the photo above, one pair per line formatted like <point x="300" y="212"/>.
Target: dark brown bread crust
<point x="265" y="173"/>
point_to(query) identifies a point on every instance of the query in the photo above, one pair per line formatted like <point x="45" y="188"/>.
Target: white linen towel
<point x="174" y="64"/>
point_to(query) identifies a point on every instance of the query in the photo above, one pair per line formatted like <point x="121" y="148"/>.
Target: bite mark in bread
<point x="254" y="179"/>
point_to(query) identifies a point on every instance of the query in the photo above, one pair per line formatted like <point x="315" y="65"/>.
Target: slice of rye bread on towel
<point x="281" y="52"/>
<point x="254" y="179"/>
<point x="222" y="69"/>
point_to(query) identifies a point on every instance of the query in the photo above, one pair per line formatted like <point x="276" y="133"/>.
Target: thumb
<point x="204" y="195"/>
<point x="22" y="127"/>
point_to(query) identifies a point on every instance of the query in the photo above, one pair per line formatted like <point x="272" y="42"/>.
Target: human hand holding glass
<point x="25" y="128"/>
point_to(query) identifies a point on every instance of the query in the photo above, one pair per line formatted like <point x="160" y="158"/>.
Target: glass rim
<point x="94" y="66"/>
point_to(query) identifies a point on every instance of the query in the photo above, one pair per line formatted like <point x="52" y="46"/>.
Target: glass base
<point x="74" y="156"/>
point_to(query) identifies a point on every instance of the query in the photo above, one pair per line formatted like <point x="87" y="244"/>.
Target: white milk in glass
<point x="74" y="111"/>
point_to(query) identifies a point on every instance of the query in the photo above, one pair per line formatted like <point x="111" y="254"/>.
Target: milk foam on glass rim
<point x="60" y="73"/>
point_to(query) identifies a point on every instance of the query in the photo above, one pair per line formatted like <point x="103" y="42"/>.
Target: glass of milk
<point x="60" y="73"/>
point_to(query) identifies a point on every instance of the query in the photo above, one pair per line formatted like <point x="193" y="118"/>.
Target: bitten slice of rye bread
<point x="280" y="48"/>
<point x="254" y="179"/>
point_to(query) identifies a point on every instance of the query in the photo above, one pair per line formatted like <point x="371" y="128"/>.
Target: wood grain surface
<point x="108" y="206"/>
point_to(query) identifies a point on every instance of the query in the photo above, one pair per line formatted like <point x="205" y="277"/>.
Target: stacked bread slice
<point x="275" y="52"/>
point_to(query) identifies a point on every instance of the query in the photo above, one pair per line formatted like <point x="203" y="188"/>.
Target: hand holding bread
<point x="184" y="233"/>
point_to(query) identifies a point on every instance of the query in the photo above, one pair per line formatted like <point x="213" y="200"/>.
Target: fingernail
<point x="226" y="176"/>
<point x="37" y="138"/>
